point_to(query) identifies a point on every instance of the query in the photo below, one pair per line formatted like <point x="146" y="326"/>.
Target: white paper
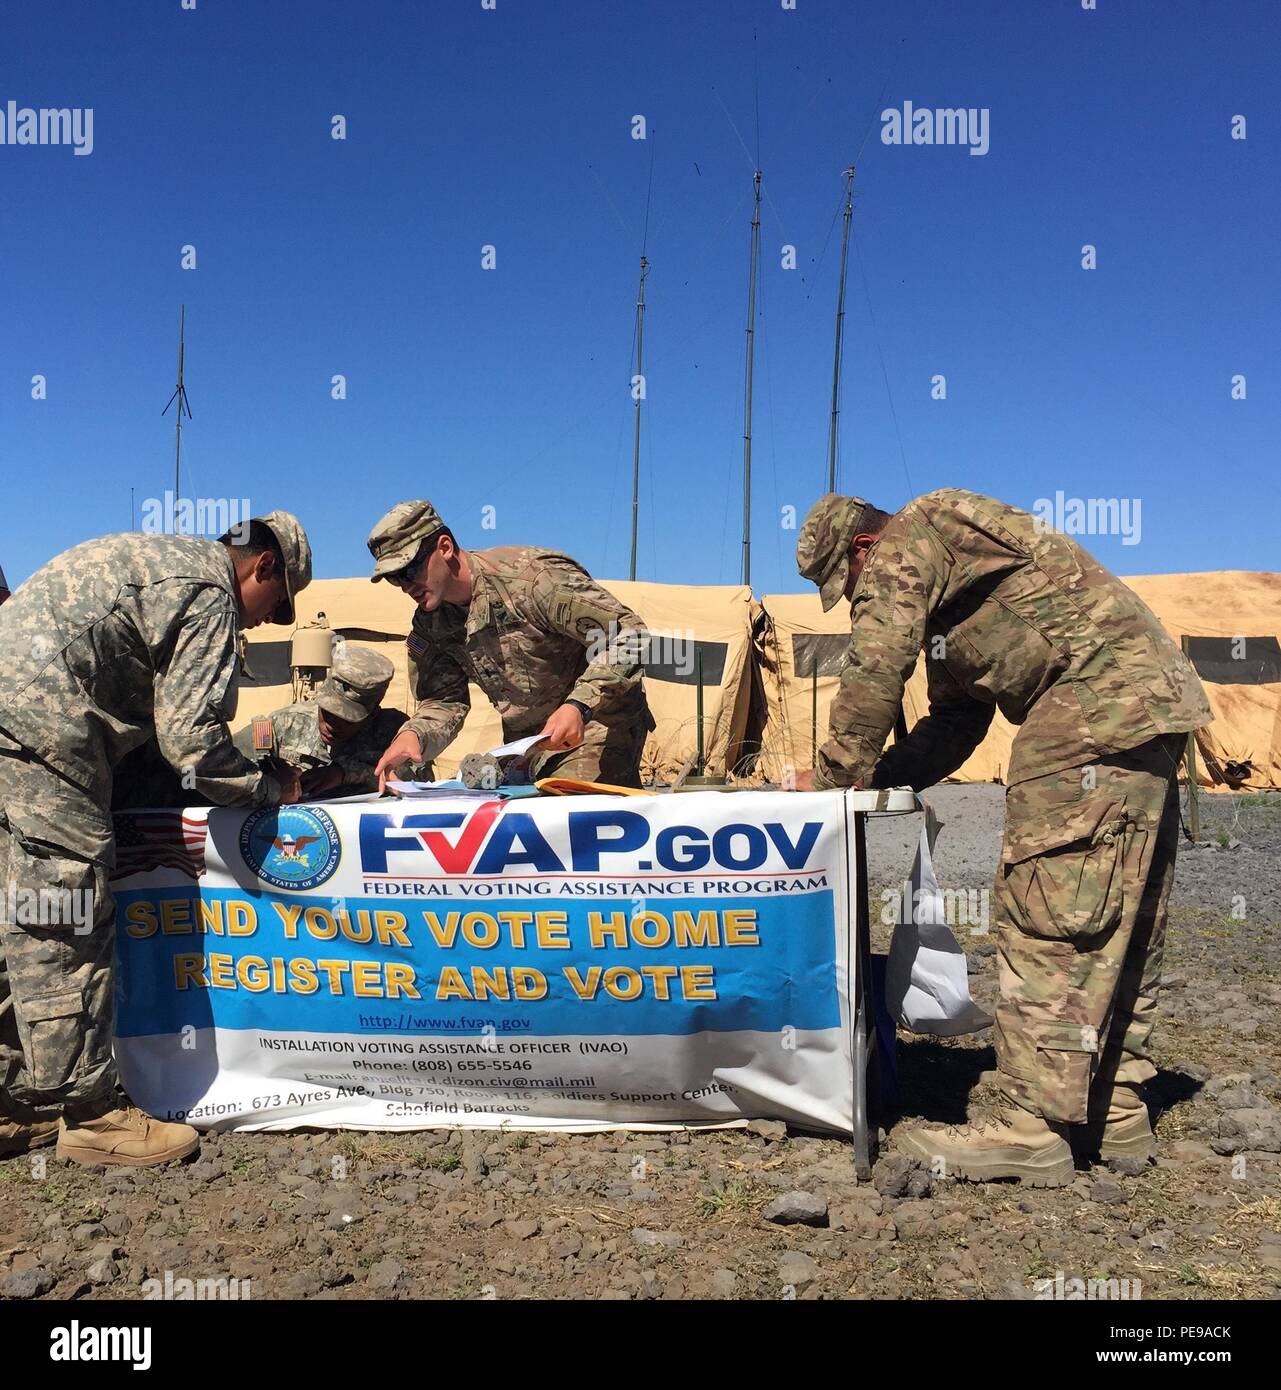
<point x="514" y="750"/>
<point x="927" y="987"/>
<point x="412" y="791"/>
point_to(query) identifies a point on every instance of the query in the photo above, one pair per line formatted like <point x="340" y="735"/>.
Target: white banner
<point x="538" y="963"/>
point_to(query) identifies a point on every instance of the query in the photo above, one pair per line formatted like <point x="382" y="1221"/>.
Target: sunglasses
<point x="403" y="578"/>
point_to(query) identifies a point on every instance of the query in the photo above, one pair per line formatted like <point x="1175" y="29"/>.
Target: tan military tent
<point x="1232" y="618"/>
<point x="688" y="624"/>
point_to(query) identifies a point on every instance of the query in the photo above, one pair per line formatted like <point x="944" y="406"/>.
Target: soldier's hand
<point x="319" y="780"/>
<point x="406" y="747"/>
<point x="564" y="729"/>
<point x="290" y="783"/>
<point x="802" y="782"/>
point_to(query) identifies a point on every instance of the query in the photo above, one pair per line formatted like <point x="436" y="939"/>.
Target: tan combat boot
<point x="16" y="1138"/>
<point x="1124" y="1130"/>
<point x="1013" y="1144"/>
<point x="124" y="1136"/>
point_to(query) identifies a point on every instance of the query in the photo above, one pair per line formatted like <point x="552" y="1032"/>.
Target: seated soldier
<point x="337" y="738"/>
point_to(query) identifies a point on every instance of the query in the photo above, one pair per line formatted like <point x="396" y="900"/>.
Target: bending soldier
<point x="113" y="642"/>
<point x="1016" y="617"/>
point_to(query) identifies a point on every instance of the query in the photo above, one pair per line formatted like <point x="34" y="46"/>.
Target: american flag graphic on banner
<point x="161" y="839"/>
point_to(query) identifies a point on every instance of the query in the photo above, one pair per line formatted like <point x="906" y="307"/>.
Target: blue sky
<point x="508" y="388"/>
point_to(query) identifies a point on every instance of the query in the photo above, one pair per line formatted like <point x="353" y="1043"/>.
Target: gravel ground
<point x="756" y="1213"/>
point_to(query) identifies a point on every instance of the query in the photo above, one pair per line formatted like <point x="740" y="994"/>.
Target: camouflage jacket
<point x="120" y="638"/>
<point x="295" y="734"/>
<point x="1010" y="616"/>
<point x="538" y="631"/>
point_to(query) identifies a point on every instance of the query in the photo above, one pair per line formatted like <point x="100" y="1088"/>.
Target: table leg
<point x="864" y="1043"/>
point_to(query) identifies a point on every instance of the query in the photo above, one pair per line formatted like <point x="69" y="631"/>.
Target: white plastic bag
<point x="927" y="987"/>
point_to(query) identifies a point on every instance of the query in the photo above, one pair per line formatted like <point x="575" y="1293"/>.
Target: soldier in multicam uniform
<point x="113" y="642"/>
<point x="552" y="650"/>
<point x="1013" y="616"/>
<point x="337" y="738"/>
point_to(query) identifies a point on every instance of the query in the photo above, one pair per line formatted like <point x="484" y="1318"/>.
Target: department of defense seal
<point x="291" y="846"/>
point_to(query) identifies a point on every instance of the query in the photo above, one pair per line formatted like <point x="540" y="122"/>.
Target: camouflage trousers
<point x="57" y="941"/>
<point x="1081" y="896"/>
<point x="608" y="753"/>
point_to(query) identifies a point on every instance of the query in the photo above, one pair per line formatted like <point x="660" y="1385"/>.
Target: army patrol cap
<point x="395" y="540"/>
<point x="356" y="684"/>
<point x="296" y="550"/>
<point x="823" y="546"/>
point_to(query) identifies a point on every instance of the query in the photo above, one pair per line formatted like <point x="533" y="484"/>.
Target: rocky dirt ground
<point x="756" y="1213"/>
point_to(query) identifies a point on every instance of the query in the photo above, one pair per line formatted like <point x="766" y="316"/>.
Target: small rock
<point x="723" y="1281"/>
<point x="670" y="1240"/>
<point x="386" y="1274"/>
<point x="117" y="1224"/>
<point x="893" y="1174"/>
<point x="797" y="1209"/>
<point x="1257" y="1128"/>
<point x="773" y="1130"/>
<point x="1191" y="1150"/>
<point x="26" y="1283"/>
<point x="524" y="1229"/>
<point x="797" y="1270"/>
<point x="305" y="1283"/>
<point x="1108" y="1192"/>
<point x="1129" y="1167"/>
<point x="89" y="1230"/>
<point x="103" y="1271"/>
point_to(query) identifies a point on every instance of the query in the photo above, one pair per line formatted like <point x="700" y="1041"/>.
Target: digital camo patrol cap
<point x="356" y="684"/>
<point x="823" y="546"/>
<point x="295" y="549"/>
<point x="395" y="540"/>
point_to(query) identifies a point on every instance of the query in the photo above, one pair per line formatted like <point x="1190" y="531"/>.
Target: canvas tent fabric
<point x="687" y="623"/>
<point x="1233" y="619"/>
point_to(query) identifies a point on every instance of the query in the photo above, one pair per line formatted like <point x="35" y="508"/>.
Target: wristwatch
<point x="581" y="708"/>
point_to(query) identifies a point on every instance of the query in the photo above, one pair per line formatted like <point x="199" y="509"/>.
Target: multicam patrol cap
<point x="357" y="682"/>
<point x="296" y="550"/>
<point x="395" y="540"/>
<point x="823" y="546"/>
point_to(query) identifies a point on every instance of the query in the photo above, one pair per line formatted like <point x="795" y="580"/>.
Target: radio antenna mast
<point x="179" y="395"/>
<point x="747" y="402"/>
<point x="840" y="329"/>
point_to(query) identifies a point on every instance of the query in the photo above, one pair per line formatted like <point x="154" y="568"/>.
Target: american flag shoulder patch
<point x="417" y="645"/>
<point x="264" y="736"/>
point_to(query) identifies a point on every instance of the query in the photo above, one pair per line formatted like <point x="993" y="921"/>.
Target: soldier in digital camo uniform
<point x="337" y="738"/>
<point x="1016" y="617"/>
<point x="551" y="649"/>
<point x="113" y="642"/>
